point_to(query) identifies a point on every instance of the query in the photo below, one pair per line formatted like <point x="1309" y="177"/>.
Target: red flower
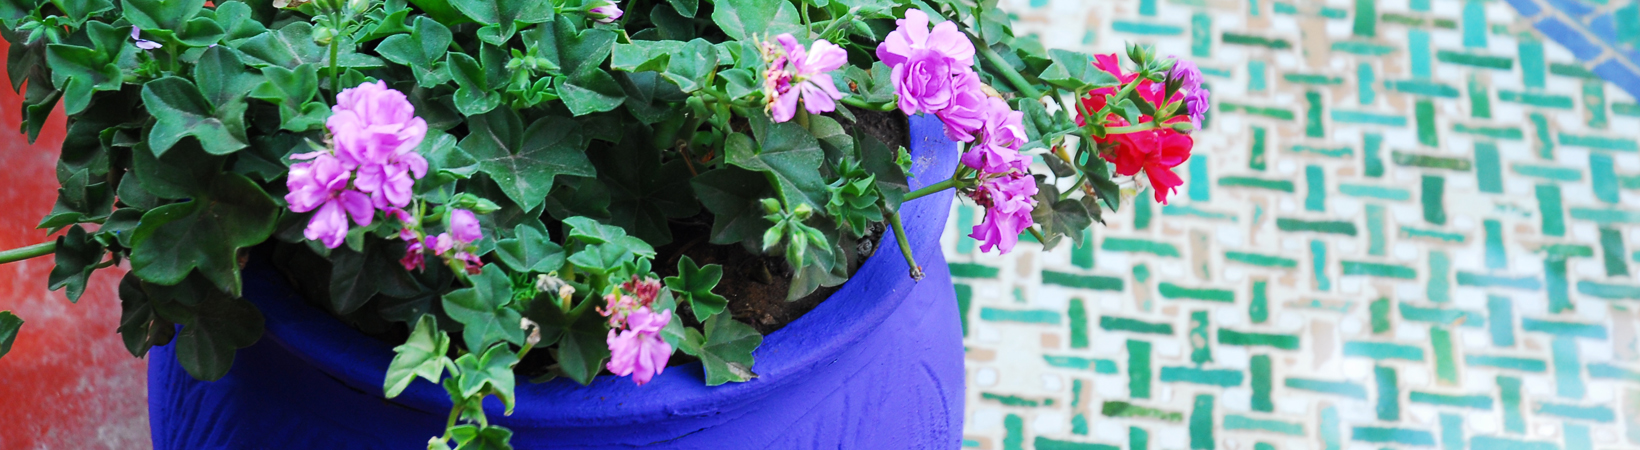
<point x="1156" y="152"/>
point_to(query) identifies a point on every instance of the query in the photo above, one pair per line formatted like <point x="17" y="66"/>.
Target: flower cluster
<point x="1156" y="151"/>
<point x="795" y="72"/>
<point x="456" y="245"/>
<point x="635" y="344"/>
<point x="933" y="73"/>
<point x="371" y="166"/>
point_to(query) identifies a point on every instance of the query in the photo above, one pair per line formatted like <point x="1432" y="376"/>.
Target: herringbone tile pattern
<point x="1407" y="224"/>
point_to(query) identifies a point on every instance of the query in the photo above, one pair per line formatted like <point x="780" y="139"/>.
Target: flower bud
<point x="771" y="206"/>
<point x="1183" y="127"/>
<point x="474" y="203"/>
<point x="322" y="35"/>
<point x="606" y="14"/>
<point x="803" y="211"/>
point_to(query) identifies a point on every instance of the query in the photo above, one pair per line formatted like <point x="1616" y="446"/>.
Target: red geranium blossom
<point x="1156" y="151"/>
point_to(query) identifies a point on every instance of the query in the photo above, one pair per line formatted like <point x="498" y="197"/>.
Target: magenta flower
<point x="924" y="62"/>
<point x="607" y="13"/>
<point x="1008" y="201"/>
<point x="964" y="117"/>
<point x="143" y="43"/>
<point x="1002" y="132"/>
<point x="321" y="183"/>
<point x="456" y="244"/>
<point x="464" y="226"/>
<point x="1190" y="92"/>
<point x="797" y="73"/>
<point x="639" y="350"/>
<point x="376" y="128"/>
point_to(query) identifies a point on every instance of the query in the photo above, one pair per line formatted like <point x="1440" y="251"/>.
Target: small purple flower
<point x="456" y="243"/>
<point x="1008" y="202"/>
<point x="1190" y="92"/>
<point x="797" y="73"/>
<point x="321" y="183"/>
<point x="607" y="13"/>
<point x="639" y="350"/>
<point x="143" y="43"/>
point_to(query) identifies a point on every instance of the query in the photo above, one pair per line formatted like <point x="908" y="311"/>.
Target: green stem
<point x="1001" y="65"/>
<point x="32" y="251"/>
<point x="1038" y="235"/>
<point x="862" y="104"/>
<point x="1131" y="128"/>
<point x="905" y="246"/>
<point x="803" y="118"/>
<point x="932" y="188"/>
<point x="335" y="78"/>
<point x="830" y="27"/>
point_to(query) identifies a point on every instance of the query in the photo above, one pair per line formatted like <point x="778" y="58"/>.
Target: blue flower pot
<point x="879" y="365"/>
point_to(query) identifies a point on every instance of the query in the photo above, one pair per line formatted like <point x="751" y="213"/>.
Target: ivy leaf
<point x="181" y="110"/>
<point x="883" y="164"/>
<point x="212" y="331"/>
<point x="474" y="94"/>
<point x="725" y="350"/>
<point x="1059" y="218"/>
<point x="205" y="233"/>
<point x="483" y="312"/>
<point x="492" y="371"/>
<point x="79" y="201"/>
<point x="686" y="8"/>
<point x="694" y="284"/>
<point x="530" y="251"/>
<point x="734" y="196"/>
<point x="834" y="140"/>
<point x="291" y="46"/>
<point x="1074" y="71"/>
<point x="524" y="162"/>
<point x="77" y="256"/>
<point x="9" y="325"/>
<point x="571" y="48"/>
<point x="790" y="156"/>
<point x="422" y="51"/>
<point x="1097" y="171"/>
<point x="592" y="90"/>
<point x="357" y="276"/>
<point x="293" y="91"/>
<point x="501" y="17"/>
<point x="81" y="71"/>
<point x="740" y="82"/>
<point x="644" y="193"/>
<point x="160" y="14"/>
<point x="80" y="10"/>
<point x="141" y="327"/>
<point x="592" y="232"/>
<point x="238" y="22"/>
<point x="184" y="172"/>
<point x="421" y="355"/>
<point x="222" y="77"/>
<point x="691" y="64"/>
<point x="600" y="259"/>
<point x="472" y="437"/>
<point x="646" y="56"/>
<point x="581" y="335"/>
<point x="744" y="19"/>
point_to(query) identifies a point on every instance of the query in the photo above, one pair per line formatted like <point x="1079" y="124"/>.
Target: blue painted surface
<point x="1590" y="33"/>
<point x="877" y="365"/>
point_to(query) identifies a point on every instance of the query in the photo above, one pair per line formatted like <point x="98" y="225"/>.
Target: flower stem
<point x="862" y="104"/>
<point x="905" y="246"/>
<point x="1007" y="71"/>
<point x="32" y="251"/>
<point x="932" y="188"/>
<point x="1147" y="126"/>
<point x="335" y="78"/>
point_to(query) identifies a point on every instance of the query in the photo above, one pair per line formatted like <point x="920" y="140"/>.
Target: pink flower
<point x="457" y="243"/>
<point x="645" y="289"/>
<point x="375" y="128"/>
<point x="965" y="115"/>
<point x="1002" y="133"/>
<point x="796" y="73"/>
<point x="924" y="62"/>
<point x="464" y="226"/>
<point x="606" y="14"/>
<point x="639" y="350"/>
<point x="1008" y="201"/>
<point x="617" y="307"/>
<point x="321" y="183"/>
<point x="414" y="255"/>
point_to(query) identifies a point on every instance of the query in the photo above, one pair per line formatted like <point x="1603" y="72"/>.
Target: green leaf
<point x="591" y="90"/>
<point x="501" y="17"/>
<point x="725" y="350"/>
<point x="744" y="19"/>
<point x="740" y="82"/>
<point x="79" y="201"/>
<point x="592" y="232"/>
<point x="80" y="71"/>
<point x="422" y="51"/>
<point x="694" y="284"/>
<point x="524" y="162"/>
<point x="833" y="138"/>
<point x="184" y="172"/>
<point x="581" y="334"/>
<point x="80" y="10"/>
<point x="357" y="276"/>
<point x="491" y="372"/>
<point x="474" y="94"/>
<point x="1059" y="218"/>
<point x="293" y="91"/>
<point x="471" y="437"/>
<point x="200" y="32"/>
<point x="1074" y="71"/>
<point x="571" y="48"/>
<point x="421" y="355"/>
<point x="643" y="56"/>
<point x="238" y="22"/>
<point x="222" y="78"/>
<point x="212" y="331"/>
<point x="686" y="8"/>
<point x="530" y="251"/>
<point x="600" y="259"/>
<point x="691" y="64"/>
<point x="141" y="327"/>
<point x="160" y="14"/>
<point x="644" y="193"/>
<point x="181" y="110"/>
<point x="9" y="325"/>
<point x="789" y="155"/>
<point x="77" y="256"/>
<point x="483" y="312"/>
<point x="205" y="233"/>
<point x="290" y="46"/>
<point x="732" y="195"/>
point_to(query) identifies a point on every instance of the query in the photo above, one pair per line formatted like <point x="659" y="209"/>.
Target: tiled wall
<point x="1407" y="224"/>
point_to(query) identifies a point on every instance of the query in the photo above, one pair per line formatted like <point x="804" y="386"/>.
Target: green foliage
<point x="9" y="325"/>
<point x="421" y="355"/>
<point x="725" y="349"/>
<point x="483" y="312"/>
<point x="694" y="284"/>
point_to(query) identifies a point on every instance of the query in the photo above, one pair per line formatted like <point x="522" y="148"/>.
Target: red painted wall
<point x="68" y="382"/>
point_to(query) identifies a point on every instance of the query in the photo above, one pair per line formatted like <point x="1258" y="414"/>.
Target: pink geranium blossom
<point x="321" y="182"/>
<point x="924" y="62"/>
<point x="964" y="116"/>
<point x="456" y="244"/>
<point x="639" y="350"/>
<point x="796" y="73"/>
<point x="376" y="128"/>
<point x="1008" y="201"/>
<point x="1002" y="132"/>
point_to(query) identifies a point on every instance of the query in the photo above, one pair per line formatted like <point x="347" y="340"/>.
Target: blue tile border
<point x="1590" y="34"/>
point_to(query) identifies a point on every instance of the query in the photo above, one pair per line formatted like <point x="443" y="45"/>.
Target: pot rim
<point x="786" y="356"/>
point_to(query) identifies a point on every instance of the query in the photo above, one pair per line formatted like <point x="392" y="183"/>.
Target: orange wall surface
<point x="68" y="382"/>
